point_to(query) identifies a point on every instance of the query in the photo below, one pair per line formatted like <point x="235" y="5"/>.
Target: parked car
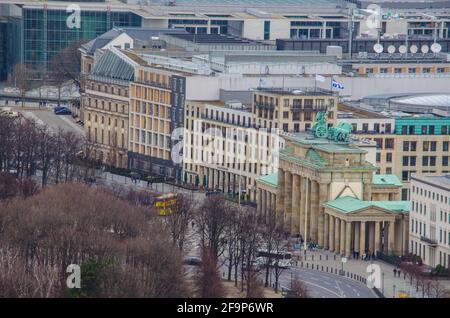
<point x="192" y="260"/>
<point x="62" y="111"/>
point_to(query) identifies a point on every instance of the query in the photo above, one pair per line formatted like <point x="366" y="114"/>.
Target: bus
<point x="284" y="259"/>
<point x="166" y="204"/>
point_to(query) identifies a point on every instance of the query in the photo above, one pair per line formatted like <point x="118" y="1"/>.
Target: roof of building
<point x="270" y="179"/>
<point x="350" y="204"/>
<point x="442" y="181"/>
<point x="136" y="33"/>
<point x="111" y="65"/>
<point x="322" y="144"/>
<point x="386" y="180"/>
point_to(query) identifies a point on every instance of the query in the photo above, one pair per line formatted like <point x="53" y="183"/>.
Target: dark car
<point x="192" y="260"/>
<point x="62" y="111"/>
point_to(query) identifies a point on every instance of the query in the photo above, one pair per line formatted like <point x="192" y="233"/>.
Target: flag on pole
<point x="337" y="85"/>
<point x="320" y="78"/>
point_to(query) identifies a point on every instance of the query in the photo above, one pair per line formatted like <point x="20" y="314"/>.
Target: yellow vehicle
<point x="166" y="204"/>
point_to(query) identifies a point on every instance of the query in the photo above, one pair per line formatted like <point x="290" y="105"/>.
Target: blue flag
<point x="337" y="85"/>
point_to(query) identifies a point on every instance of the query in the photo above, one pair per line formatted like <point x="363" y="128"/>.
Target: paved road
<point x="54" y="122"/>
<point x="326" y="285"/>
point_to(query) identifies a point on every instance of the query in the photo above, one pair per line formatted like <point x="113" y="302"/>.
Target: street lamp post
<point x="382" y="283"/>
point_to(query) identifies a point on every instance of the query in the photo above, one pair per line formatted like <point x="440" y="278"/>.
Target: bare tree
<point x="21" y="78"/>
<point x="209" y="283"/>
<point x="177" y="223"/>
<point x="298" y="288"/>
<point x="212" y="221"/>
<point x="65" y="66"/>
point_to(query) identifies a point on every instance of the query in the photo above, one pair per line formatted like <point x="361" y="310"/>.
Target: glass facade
<point x="46" y="31"/>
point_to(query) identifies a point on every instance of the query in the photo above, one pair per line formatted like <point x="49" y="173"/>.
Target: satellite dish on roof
<point x="402" y="49"/>
<point x="391" y="49"/>
<point x="424" y="49"/>
<point x="436" y="48"/>
<point x="378" y="48"/>
<point x="413" y="49"/>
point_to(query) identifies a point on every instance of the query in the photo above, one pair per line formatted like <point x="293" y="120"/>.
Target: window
<point x="378" y="157"/>
<point x="424" y="130"/>
<point x="432" y="161"/>
<point x="266" y="30"/>
<point x="412" y="129"/>
<point x="379" y="142"/>
<point x="389" y="143"/>
<point x="388" y="129"/>
<point x="406" y="146"/>
<point x="405" y="175"/>
<point x="285" y="127"/>
<point x="445" y="146"/>
<point x="388" y="157"/>
<point x="413" y="146"/>
<point x="412" y="161"/>
<point x="405" y="160"/>
<point x="433" y="146"/>
<point x="426" y="146"/>
<point x="365" y="127"/>
<point x="425" y="161"/>
<point x="445" y="161"/>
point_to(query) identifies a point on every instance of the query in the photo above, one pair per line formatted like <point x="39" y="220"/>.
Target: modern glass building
<point x="45" y="31"/>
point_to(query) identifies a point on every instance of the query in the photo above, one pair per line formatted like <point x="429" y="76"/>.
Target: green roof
<point x="386" y="180"/>
<point x="270" y="179"/>
<point x="349" y="204"/>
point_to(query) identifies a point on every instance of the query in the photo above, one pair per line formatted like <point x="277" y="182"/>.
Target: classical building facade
<point x="105" y="106"/>
<point x="292" y="110"/>
<point x="327" y="192"/>
<point x="224" y="151"/>
<point x="430" y="219"/>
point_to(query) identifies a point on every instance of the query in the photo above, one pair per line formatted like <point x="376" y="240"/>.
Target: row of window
<point x="399" y="70"/>
<point x="96" y="119"/>
<point x="427" y="161"/>
<point x="112" y="138"/>
<point x="110" y="89"/>
<point x="101" y="104"/>
<point x="430" y="194"/>
<point x="425" y="130"/>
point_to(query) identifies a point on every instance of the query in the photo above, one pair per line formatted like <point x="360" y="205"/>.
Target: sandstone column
<point x="295" y="204"/>
<point x="326" y="231"/>
<point x="314" y="210"/>
<point x="287" y="200"/>
<point x="280" y="194"/>
<point x="391" y="238"/>
<point x="377" y="237"/>
<point x="357" y="231"/>
<point x="323" y="197"/>
<point x="264" y="203"/>
<point x="362" y="238"/>
<point x="342" y="238"/>
<point x="259" y="202"/>
<point x="371" y="228"/>
<point x="302" y="207"/>
<point x="348" y="232"/>
<point x="337" y="232"/>
<point x="331" y="234"/>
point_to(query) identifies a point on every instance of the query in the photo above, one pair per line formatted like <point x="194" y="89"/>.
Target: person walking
<point x="395" y="272"/>
<point x="398" y="272"/>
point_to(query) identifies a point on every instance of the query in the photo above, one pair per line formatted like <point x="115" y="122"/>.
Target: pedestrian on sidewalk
<point x="395" y="272"/>
<point x="398" y="272"/>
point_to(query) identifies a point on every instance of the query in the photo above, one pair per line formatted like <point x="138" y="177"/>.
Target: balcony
<point x="431" y="242"/>
<point x="265" y="106"/>
<point x="308" y="108"/>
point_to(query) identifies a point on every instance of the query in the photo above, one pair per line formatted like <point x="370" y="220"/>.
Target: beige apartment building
<point x="224" y="151"/>
<point x="292" y="110"/>
<point x="105" y="106"/>
<point x="405" y="145"/>
<point x="156" y="109"/>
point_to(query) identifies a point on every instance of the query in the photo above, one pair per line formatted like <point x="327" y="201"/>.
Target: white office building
<point x="429" y="230"/>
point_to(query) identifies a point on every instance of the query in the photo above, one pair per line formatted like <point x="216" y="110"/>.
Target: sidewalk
<point x="359" y="267"/>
